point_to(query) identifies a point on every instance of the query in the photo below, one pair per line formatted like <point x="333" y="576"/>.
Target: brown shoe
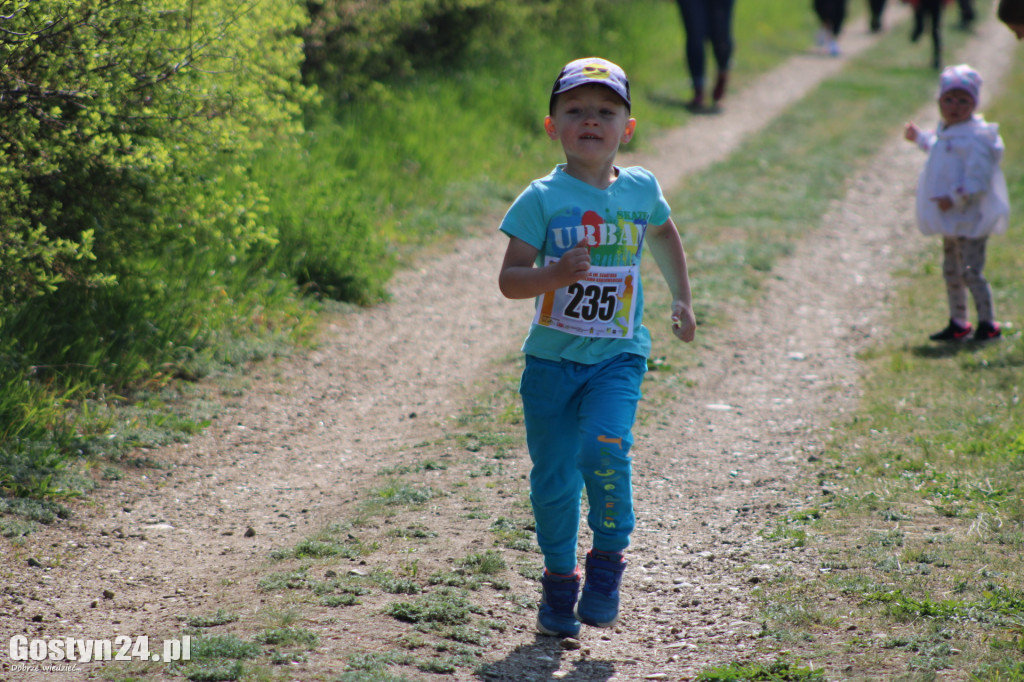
<point x="719" y="92"/>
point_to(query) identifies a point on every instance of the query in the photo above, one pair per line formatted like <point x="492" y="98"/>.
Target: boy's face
<point x="590" y="121"/>
<point x="956" y="106"/>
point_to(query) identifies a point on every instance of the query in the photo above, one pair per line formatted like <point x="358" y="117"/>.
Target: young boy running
<point x="575" y="242"/>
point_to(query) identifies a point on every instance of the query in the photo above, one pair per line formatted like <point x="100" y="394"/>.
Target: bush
<point x="115" y="117"/>
<point x="351" y="45"/>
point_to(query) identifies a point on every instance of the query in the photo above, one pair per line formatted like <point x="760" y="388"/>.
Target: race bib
<point x="599" y="305"/>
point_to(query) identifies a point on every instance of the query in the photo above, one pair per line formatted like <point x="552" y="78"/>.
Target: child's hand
<point x="574" y="263"/>
<point x="944" y="203"/>
<point x="911" y="131"/>
<point x="684" y="324"/>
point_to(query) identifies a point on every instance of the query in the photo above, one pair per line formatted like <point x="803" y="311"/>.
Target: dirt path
<point x="310" y="435"/>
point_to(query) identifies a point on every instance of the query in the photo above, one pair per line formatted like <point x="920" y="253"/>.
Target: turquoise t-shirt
<point x="555" y="212"/>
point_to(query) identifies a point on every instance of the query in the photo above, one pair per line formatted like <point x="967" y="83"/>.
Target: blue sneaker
<point x="555" y="614"/>
<point x="599" y="603"/>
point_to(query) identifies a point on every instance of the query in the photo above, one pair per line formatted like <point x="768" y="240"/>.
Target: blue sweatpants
<point x="579" y="421"/>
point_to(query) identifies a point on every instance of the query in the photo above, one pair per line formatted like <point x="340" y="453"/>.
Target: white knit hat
<point x="960" y="77"/>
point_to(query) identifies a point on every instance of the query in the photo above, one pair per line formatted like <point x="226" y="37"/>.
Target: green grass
<point x="219" y="617"/>
<point x="335" y="540"/>
<point x="776" y="671"/>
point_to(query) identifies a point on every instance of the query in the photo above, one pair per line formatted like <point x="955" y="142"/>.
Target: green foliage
<point x="445" y="606"/>
<point x="333" y="541"/>
<point x="489" y="562"/>
<point x="219" y="617"/>
<point x="223" y="646"/>
<point x="219" y="671"/>
<point x="126" y="134"/>
<point x="375" y="662"/>
<point x="33" y="439"/>
<point x="328" y="240"/>
<point x="775" y="671"/>
<point x="354" y="47"/>
<point x="334" y="600"/>
<point x="397" y="495"/>
<point x="288" y="636"/>
<point x="114" y="116"/>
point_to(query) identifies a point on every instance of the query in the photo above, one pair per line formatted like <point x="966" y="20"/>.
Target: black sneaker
<point x="953" y="332"/>
<point x="918" y="29"/>
<point x="987" y="331"/>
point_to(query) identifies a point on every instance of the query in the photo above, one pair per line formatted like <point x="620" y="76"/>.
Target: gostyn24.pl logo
<point x="120" y="648"/>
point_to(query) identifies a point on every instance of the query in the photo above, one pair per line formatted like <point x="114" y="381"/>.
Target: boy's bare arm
<point x="667" y="248"/>
<point x="520" y="279"/>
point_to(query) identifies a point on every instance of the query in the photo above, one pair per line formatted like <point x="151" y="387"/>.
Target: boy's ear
<point x="627" y="134"/>
<point x="549" y="128"/>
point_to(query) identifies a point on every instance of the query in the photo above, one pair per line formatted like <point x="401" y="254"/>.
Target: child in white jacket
<point x="961" y="195"/>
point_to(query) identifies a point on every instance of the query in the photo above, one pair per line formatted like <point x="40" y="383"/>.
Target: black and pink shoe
<point x="987" y="331"/>
<point x="953" y="332"/>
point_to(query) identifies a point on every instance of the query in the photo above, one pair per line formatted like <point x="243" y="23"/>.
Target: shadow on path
<point x="540" y="659"/>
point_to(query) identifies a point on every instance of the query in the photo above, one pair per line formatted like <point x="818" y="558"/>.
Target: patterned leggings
<point x="963" y="261"/>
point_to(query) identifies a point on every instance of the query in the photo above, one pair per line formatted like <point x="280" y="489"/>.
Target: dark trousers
<point x="707" y="21"/>
<point x="931" y="10"/>
<point x="876" y="8"/>
<point x="967" y="14"/>
<point x="831" y="13"/>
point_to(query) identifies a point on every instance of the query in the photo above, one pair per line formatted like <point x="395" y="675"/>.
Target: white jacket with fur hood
<point x="963" y="164"/>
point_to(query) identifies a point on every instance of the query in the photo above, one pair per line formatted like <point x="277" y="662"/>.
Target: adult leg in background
<point x="933" y="10"/>
<point x="722" y="44"/>
<point x="967" y="14"/>
<point x="876" y="8"/>
<point x="695" y="25"/>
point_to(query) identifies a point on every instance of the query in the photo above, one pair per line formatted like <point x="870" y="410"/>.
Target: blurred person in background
<point x="707" y="21"/>
<point x="831" y="14"/>
<point x="967" y="14"/>
<point x="932" y="11"/>
<point x="1011" y="13"/>
<point x="876" y="7"/>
